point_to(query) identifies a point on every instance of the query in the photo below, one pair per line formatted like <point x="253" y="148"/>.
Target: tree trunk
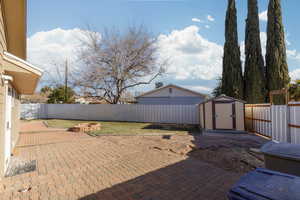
<point x="254" y="63"/>
<point x="232" y="77"/>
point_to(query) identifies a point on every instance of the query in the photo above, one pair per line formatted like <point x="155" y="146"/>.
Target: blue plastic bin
<point x="263" y="184"/>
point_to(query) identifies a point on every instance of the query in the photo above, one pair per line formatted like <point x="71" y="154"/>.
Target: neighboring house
<point x="100" y="100"/>
<point x="17" y="76"/>
<point x="35" y="98"/>
<point x="89" y="100"/>
<point x="171" y="95"/>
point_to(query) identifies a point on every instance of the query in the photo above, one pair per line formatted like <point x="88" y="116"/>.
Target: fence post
<point x="252" y="120"/>
<point x="288" y="130"/>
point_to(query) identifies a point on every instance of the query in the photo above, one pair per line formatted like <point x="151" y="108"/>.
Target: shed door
<point x="224" y="116"/>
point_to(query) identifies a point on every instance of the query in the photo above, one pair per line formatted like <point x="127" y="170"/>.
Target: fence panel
<point x="295" y="122"/>
<point x="279" y="123"/>
<point x="33" y="111"/>
<point x="258" y="119"/>
<point x="180" y="114"/>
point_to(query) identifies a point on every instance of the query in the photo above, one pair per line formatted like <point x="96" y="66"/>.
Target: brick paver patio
<point x="76" y="166"/>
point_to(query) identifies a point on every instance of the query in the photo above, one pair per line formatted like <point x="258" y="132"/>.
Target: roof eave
<point x="25" y="75"/>
<point x="15" y="23"/>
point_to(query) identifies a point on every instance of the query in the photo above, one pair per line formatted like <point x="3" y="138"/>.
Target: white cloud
<point x="263" y="40"/>
<point x="291" y="55"/>
<point x="198" y="88"/>
<point x="295" y="56"/>
<point x="210" y="18"/>
<point x="57" y="43"/>
<point x="207" y="26"/>
<point x="295" y="75"/>
<point x="263" y="16"/>
<point x="50" y="48"/>
<point x="196" y="20"/>
<point x="191" y="55"/>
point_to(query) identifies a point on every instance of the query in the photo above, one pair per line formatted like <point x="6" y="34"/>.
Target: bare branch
<point x="114" y="62"/>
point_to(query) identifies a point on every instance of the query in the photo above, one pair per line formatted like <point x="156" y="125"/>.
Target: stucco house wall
<point x="3" y="47"/>
<point x="15" y="72"/>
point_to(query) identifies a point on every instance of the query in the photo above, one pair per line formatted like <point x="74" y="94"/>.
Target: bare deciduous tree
<point x="56" y="76"/>
<point x="115" y="62"/>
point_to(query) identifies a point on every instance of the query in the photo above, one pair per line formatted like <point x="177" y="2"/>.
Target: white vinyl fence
<point x="179" y="114"/>
<point x="33" y="111"/>
<point x="279" y="122"/>
<point x="258" y="119"/>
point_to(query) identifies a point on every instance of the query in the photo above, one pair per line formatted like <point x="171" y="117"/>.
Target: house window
<point x="170" y="90"/>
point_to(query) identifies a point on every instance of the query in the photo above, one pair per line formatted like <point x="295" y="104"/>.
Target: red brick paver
<point x="35" y="127"/>
<point x="32" y="139"/>
<point x="82" y="167"/>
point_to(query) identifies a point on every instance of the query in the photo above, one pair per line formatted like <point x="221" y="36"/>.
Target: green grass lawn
<point x="126" y="128"/>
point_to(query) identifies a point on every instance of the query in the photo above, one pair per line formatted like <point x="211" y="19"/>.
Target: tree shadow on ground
<point x="191" y="129"/>
<point x="188" y="179"/>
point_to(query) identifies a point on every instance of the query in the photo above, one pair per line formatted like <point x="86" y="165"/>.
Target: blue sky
<point x="162" y="17"/>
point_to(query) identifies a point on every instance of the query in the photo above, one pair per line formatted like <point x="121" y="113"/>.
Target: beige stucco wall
<point x="208" y="116"/>
<point x="3" y="47"/>
<point x="2" y="126"/>
<point x="16" y="102"/>
<point x="240" y="118"/>
<point x="15" y="120"/>
<point x="2" y="129"/>
<point x="12" y="40"/>
<point x="175" y="93"/>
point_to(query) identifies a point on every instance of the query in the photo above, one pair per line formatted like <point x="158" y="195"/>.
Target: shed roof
<point x="173" y="86"/>
<point x="223" y="96"/>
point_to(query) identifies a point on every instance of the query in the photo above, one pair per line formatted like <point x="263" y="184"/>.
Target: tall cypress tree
<point x="277" y="73"/>
<point x="232" y="77"/>
<point x="254" y="63"/>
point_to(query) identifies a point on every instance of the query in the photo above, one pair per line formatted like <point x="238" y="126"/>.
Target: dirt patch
<point x="231" y="153"/>
<point x="181" y="149"/>
<point x="239" y="160"/>
<point x="174" y="127"/>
